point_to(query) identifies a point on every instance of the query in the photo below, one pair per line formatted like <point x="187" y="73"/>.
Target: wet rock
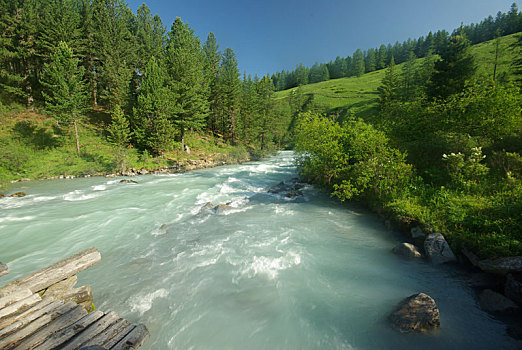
<point x="221" y="209"/>
<point x="472" y="258"/>
<point x="1" y="195"/>
<point x="515" y="331"/>
<point x="127" y="181"/>
<point x="437" y="249"/>
<point x="417" y="313"/>
<point x="502" y="266"/>
<point x="513" y="288"/>
<point x="293" y="193"/>
<point x="207" y="208"/>
<point x="482" y="280"/>
<point x="416" y="232"/>
<point x="407" y="250"/>
<point x="18" y="194"/>
<point x="495" y="302"/>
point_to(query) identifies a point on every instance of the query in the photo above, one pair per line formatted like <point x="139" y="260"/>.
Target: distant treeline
<point x="374" y="59"/>
<point x="71" y="55"/>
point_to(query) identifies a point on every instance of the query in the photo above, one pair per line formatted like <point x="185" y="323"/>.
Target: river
<point x="269" y="272"/>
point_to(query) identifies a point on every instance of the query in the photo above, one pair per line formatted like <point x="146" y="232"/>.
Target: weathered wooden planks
<point x="55" y="273"/>
<point x="44" y="311"/>
<point x="14" y="297"/>
<point x="4" y="270"/>
<point x="64" y="335"/>
<point x="134" y="339"/>
<point x="52" y="327"/>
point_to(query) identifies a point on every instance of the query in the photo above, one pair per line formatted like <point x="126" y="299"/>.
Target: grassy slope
<point x="360" y="93"/>
<point x="32" y="146"/>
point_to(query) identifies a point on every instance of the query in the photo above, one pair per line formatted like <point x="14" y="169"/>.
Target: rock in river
<point x="502" y="266"/>
<point x="495" y="302"/>
<point x="417" y="313"/>
<point x="437" y="249"/>
<point x="407" y="250"/>
<point x="513" y="288"/>
<point x="127" y="181"/>
<point x="18" y="194"/>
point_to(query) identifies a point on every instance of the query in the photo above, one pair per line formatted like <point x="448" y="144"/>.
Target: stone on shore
<point x="495" y="302"/>
<point x="417" y="313"/>
<point x="513" y="288"/>
<point x="438" y="250"/>
<point x="127" y="181"/>
<point x="416" y="232"/>
<point x="502" y="266"/>
<point x="407" y="250"/>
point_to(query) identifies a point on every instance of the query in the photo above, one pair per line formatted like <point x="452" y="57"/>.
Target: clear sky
<point x="270" y="35"/>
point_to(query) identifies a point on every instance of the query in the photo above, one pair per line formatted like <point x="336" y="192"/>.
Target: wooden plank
<point x="79" y="295"/>
<point x="57" y="272"/>
<point x="61" y="288"/>
<point x="109" y="333"/>
<point x="14" y="297"/>
<point x="18" y="321"/>
<point x="11" y="340"/>
<point x="4" y="270"/>
<point x="134" y="339"/>
<point x="19" y="305"/>
<point x="52" y="327"/>
<point x="116" y="339"/>
<point x="65" y="334"/>
<point x="91" y="331"/>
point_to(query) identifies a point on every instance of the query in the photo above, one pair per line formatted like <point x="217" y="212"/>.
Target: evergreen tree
<point x="382" y="57"/>
<point x="11" y="79"/>
<point x="64" y="88"/>
<point x="389" y="89"/>
<point x="150" y="36"/>
<point x="230" y="86"/>
<point x="517" y="63"/>
<point x="301" y="76"/>
<point x="211" y="70"/>
<point x="409" y="88"/>
<point x="186" y="80"/>
<point x="357" y="66"/>
<point x="114" y="51"/>
<point x="152" y="128"/>
<point x="119" y="135"/>
<point x="370" y="61"/>
<point x="455" y="67"/>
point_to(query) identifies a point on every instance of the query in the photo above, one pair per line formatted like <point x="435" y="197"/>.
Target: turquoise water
<point x="271" y="273"/>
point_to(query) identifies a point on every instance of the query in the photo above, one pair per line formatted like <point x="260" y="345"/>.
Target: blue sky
<point x="270" y="35"/>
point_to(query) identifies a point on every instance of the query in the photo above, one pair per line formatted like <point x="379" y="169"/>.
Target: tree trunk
<point x="77" y="138"/>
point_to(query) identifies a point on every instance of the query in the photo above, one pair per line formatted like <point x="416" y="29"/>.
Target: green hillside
<point x="360" y="93"/>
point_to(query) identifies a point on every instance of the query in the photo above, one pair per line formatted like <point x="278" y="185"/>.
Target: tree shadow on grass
<point x="38" y="137"/>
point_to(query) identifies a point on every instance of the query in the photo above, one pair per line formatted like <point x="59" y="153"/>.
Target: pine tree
<point x="186" y="81"/>
<point x="150" y="36"/>
<point x="409" y="88"/>
<point x="11" y="79"/>
<point x="265" y="105"/>
<point x="371" y="61"/>
<point x="455" y="67"/>
<point x="230" y="91"/>
<point x="211" y="70"/>
<point x="357" y="66"/>
<point x="152" y="128"/>
<point x="389" y="89"/>
<point x="64" y="88"/>
<point x="119" y="135"/>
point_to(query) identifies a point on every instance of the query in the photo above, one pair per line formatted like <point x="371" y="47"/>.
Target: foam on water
<point x="266" y="272"/>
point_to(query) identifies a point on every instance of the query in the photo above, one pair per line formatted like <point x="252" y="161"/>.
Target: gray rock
<point x="482" y="280"/>
<point x="437" y="249"/>
<point x="18" y="194"/>
<point x="221" y="209"/>
<point x="416" y="232"/>
<point x="127" y="181"/>
<point x="513" y="289"/>
<point x="407" y="250"/>
<point x="207" y="208"/>
<point x="495" y="302"/>
<point x="417" y="313"/>
<point x="143" y="172"/>
<point x="473" y="259"/>
<point x="502" y="266"/>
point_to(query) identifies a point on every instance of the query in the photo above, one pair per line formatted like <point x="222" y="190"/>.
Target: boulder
<point x="513" y="288"/>
<point x="220" y="209"/>
<point x="495" y="302"/>
<point x="483" y="280"/>
<point x="416" y="232"/>
<point x="18" y="194"/>
<point x="207" y="208"/>
<point x="502" y="266"/>
<point x="417" y="313"/>
<point x="293" y="193"/>
<point x="437" y="249"/>
<point x="407" y="250"/>
<point x="1" y="195"/>
<point x="127" y="181"/>
<point x="473" y="259"/>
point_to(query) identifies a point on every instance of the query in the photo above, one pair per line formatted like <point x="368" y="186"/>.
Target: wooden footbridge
<point x="45" y="311"/>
